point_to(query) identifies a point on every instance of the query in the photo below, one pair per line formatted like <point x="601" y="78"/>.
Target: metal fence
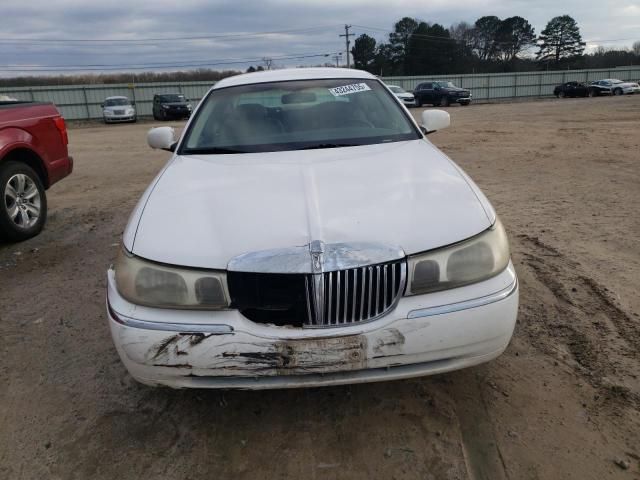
<point x="77" y="102"/>
<point x="500" y="86"/>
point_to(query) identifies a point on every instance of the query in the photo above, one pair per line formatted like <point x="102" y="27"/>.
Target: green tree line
<point x="491" y="44"/>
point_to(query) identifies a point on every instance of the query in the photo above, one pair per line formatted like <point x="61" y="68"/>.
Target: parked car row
<point x="608" y="86"/>
<point x="165" y="107"/>
<point x="439" y="93"/>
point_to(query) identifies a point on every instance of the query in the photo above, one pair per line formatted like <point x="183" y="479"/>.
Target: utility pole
<point x="346" y="36"/>
<point x="336" y="57"/>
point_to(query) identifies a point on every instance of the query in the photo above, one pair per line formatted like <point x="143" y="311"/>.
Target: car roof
<point x="292" y="74"/>
<point x="117" y="96"/>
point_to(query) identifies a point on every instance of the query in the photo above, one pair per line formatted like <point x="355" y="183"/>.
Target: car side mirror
<point x="162" y="138"/>
<point x="434" y="120"/>
<point x="133" y="104"/>
<point x="102" y="105"/>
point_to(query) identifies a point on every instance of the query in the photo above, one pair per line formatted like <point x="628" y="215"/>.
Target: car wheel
<point x="135" y="119"/>
<point x="592" y="93"/>
<point x="444" y="101"/>
<point x="562" y="95"/>
<point x="104" y="119"/>
<point x="617" y="91"/>
<point x="163" y="116"/>
<point x="465" y="104"/>
<point x="23" y="203"/>
<point x="418" y="103"/>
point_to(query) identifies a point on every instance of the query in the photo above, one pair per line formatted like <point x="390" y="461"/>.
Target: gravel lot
<point x="562" y="402"/>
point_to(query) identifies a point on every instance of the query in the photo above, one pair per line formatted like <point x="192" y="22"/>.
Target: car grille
<point x="118" y="112"/>
<point x="328" y="299"/>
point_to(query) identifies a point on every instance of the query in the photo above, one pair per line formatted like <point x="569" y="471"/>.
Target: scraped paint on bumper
<point x="423" y="335"/>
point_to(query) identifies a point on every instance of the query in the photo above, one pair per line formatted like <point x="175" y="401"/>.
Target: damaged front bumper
<point x="423" y="335"/>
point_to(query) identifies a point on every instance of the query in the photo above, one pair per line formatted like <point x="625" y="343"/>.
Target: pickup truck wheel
<point x="23" y="203"/>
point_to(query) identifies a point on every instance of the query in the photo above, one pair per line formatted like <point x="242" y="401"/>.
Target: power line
<point x="152" y="67"/>
<point x="228" y="35"/>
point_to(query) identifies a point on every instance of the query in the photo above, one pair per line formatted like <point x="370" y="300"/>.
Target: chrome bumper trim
<point x="185" y="328"/>
<point x="465" y="305"/>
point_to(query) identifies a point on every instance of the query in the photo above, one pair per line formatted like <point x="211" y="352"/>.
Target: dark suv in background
<point x="441" y="93"/>
<point x="171" y="105"/>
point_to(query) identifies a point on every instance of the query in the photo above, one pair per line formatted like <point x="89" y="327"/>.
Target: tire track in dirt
<point x="574" y="314"/>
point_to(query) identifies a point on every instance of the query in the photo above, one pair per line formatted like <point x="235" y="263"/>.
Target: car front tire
<point x="23" y="203"/>
<point x="444" y="101"/>
<point x="562" y="95"/>
<point x="618" y="91"/>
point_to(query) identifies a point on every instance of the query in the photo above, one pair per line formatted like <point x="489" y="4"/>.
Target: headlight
<point x="470" y="261"/>
<point x="156" y="285"/>
<point x="164" y="106"/>
<point x="189" y="106"/>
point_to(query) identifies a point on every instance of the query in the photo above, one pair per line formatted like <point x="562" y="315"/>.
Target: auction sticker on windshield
<point x="347" y="89"/>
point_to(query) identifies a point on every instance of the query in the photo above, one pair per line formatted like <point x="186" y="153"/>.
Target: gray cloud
<point x="118" y="19"/>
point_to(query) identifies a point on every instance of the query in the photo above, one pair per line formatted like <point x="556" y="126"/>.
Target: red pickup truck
<point x="33" y="156"/>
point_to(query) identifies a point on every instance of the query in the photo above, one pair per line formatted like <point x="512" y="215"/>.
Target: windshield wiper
<point x="213" y="151"/>
<point x="328" y="145"/>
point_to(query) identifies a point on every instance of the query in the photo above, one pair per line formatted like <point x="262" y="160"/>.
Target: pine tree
<point x="560" y="39"/>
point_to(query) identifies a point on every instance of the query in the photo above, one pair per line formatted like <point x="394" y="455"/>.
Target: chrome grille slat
<point x="337" y="302"/>
<point x="330" y="296"/>
<point x="370" y="270"/>
<point x="353" y="295"/>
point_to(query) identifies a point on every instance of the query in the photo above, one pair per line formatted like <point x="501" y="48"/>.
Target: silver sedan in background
<point x="405" y="97"/>
<point x="118" y="109"/>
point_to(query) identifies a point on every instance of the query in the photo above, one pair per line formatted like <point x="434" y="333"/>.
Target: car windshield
<point x="116" y="102"/>
<point x="397" y="90"/>
<point x="616" y="81"/>
<point x="445" y="84"/>
<point x="297" y="114"/>
<point x="172" y="98"/>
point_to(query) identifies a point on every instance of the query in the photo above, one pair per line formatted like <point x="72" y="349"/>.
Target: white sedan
<point x="405" y="97"/>
<point x="305" y="232"/>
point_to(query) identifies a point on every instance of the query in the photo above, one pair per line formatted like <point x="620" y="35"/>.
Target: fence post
<point x="515" y="84"/>
<point x="539" y="84"/>
<point x="488" y="82"/>
<point x="86" y="102"/>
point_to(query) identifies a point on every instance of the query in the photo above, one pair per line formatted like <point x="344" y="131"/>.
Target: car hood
<point x="206" y="209"/>
<point x="455" y="89"/>
<point x="404" y="95"/>
<point x="175" y="104"/>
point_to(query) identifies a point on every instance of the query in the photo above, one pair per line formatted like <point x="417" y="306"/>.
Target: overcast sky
<point x="308" y="27"/>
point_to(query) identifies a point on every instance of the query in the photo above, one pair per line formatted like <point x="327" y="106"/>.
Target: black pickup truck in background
<point x="441" y="93"/>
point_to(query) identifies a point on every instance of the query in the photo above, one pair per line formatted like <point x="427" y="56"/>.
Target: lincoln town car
<point x="306" y="232"/>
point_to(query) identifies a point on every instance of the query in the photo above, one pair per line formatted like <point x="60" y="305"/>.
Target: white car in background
<point x="406" y="97"/>
<point x="612" y="86"/>
<point x="118" y="109"/>
<point x="305" y="232"/>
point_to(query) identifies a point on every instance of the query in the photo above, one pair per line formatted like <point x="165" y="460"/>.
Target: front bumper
<point x="119" y="118"/>
<point x="423" y="335"/>
<point x="462" y="100"/>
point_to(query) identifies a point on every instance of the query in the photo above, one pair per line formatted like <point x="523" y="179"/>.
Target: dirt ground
<point x="561" y="403"/>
